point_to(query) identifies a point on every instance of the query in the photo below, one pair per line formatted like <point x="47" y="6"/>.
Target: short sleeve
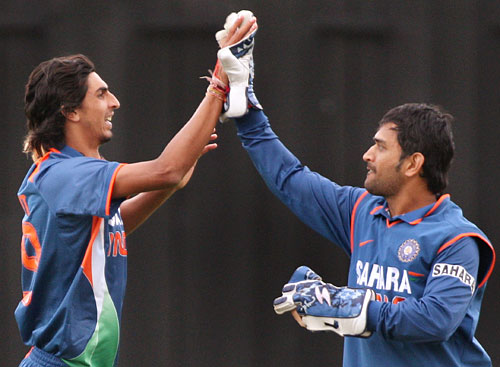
<point x="78" y="186"/>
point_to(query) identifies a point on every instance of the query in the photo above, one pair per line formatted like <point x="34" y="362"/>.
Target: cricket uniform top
<point x="428" y="268"/>
<point x="74" y="260"/>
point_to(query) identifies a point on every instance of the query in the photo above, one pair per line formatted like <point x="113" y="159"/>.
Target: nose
<point x="113" y="101"/>
<point x="368" y="156"/>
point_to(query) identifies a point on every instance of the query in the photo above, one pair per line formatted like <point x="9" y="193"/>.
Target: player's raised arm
<point x="158" y="179"/>
<point x="181" y="153"/>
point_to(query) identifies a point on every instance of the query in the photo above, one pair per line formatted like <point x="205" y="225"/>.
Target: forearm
<point x="138" y="209"/>
<point x="185" y="148"/>
<point x="271" y="158"/>
<point x="318" y="202"/>
<point x="418" y="321"/>
<point x="439" y="312"/>
<point x="177" y="158"/>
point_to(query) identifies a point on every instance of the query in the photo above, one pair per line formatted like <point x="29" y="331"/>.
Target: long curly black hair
<point x="54" y="87"/>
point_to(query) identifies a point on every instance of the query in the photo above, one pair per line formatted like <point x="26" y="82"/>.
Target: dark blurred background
<point x="203" y="271"/>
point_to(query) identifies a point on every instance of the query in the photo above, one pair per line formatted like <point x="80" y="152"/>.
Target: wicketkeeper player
<point x="418" y="268"/>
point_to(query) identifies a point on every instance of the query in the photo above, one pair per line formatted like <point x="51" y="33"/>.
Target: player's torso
<point x="395" y="258"/>
<point x="74" y="277"/>
<point x="394" y="261"/>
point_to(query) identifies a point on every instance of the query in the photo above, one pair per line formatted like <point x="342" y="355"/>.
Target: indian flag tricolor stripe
<point x="103" y="345"/>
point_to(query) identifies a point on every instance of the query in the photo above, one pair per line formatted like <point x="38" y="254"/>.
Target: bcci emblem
<point x="408" y="251"/>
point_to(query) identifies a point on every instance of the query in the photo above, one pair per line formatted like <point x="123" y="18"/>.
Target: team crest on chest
<point x="408" y="251"/>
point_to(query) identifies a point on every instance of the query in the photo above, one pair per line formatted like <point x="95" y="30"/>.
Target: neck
<point x="78" y="140"/>
<point x="407" y="202"/>
<point x="83" y="148"/>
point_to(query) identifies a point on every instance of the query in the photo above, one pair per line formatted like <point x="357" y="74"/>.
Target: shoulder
<point x="464" y="232"/>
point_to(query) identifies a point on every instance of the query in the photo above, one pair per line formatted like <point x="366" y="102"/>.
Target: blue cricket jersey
<point x="429" y="267"/>
<point x="74" y="259"/>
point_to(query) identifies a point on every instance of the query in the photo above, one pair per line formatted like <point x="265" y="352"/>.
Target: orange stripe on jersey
<point x="87" y="259"/>
<point x="375" y="209"/>
<point x="389" y="224"/>
<point x="29" y="352"/>
<point x="353" y="216"/>
<point x="431" y="210"/>
<point x="24" y="204"/>
<point x="111" y="185"/>
<point x="438" y="203"/>
<point x="39" y="162"/>
<point x="29" y="233"/>
<point x="27" y="298"/>
<point x="37" y="166"/>
<point x="473" y="234"/>
<point x="361" y="244"/>
<point x="413" y="274"/>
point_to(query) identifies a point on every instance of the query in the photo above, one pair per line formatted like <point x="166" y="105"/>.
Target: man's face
<point x="97" y="110"/>
<point x="384" y="176"/>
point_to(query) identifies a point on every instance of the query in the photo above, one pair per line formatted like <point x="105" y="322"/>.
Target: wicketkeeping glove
<point x="237" y="60"/>
<point x="323" y="306"/>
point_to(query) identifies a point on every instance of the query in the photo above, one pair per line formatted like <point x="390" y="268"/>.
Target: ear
<point x="414" y="164"/>
<point x="70" y="115"/>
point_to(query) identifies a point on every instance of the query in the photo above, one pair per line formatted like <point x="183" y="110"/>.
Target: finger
<point x="252" y="29"/>
<point x="240" y="33"/>
<point x="208" y="148"/>
<point x="297" y="318"/>
<point x="232" y="30"/>
<point x="244" y="30"/>
<point x="213" y="137"/>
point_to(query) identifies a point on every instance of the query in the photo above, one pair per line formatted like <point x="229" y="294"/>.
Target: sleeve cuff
<point x="254" y="118"/>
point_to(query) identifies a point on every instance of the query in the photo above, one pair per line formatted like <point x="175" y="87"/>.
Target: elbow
<point x="430" y="322"/>
<point x="440" y="333"/>
<point x="422" y="333"/>
<point x="171" y="179"/>
<point x="168" y="177"/>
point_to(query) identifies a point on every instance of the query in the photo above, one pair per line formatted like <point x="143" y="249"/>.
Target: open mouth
<point x="108" y="121"/>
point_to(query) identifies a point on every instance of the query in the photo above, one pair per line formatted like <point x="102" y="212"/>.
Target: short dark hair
<point x="426" y="129"/>
<point x="54" y="87"/>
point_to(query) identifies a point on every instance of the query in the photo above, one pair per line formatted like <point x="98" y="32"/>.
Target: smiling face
<point x="96" y="111"/>
<point x="383" y="160"/>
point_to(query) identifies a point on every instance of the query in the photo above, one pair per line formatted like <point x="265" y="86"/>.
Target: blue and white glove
<point x="302" y="278"/>
<point x="323" y="306"/>
<point x="237" y="60"/>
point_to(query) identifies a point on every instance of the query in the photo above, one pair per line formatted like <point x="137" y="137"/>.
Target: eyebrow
<point x="379" y="141"/>
<point x="102" y="89"/>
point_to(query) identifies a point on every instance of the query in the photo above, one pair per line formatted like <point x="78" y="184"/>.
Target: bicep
<point x="144" y="176"/>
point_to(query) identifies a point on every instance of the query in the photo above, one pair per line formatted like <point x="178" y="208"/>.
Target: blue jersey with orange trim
<point x="74" y="259"/>
<point x="429" y="267"/>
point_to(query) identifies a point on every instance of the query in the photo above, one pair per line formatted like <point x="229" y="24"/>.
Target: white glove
<point x="237" y="60"/>
<point x="230" y="19"/>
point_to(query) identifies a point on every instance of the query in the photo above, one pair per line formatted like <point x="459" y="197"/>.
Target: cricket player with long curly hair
<point x="79" y="207"/>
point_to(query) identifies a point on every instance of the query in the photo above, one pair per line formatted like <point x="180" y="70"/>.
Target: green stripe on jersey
<point x="102" y="347"/>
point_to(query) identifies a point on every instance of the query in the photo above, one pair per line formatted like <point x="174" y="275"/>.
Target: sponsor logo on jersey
<point x="408" y="251"/>
<point x="455" y="271"/>
<point x="387" y="278"/>
<point x="117" y="237"/>
<point x="116" y="221"/>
